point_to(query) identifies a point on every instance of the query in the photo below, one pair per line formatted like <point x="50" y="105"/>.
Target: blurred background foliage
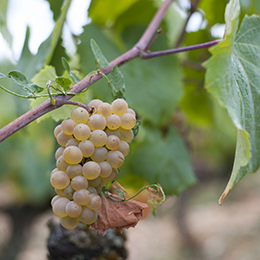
<point x="184" y="133"/>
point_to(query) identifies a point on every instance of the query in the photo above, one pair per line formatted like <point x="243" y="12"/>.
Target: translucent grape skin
<point x="72" y="142"/>
<point x="56" y="197"/>
<point x="61" y="164"/>
<point x="113" y="122"/>
<point x="62" y="138"/>
<point x="81" y="132"/>
<point x="69" y="223"/>
<point x="59" y="207"/>
<point x="95" y="182"/>
<point x="99" y="155"/>
<point x="82" y="196"/>
<point x="112" y="142"/>
<point x="95" y="103"/>
<point x="87" y="148"/>
<point x="98" y="138"/>
<point x="106" y="169"/>
<point x="95" y="202"/>
<point x="79" y="115"/>
<point x="128" y="121"/>
<point x="126" y="135"/>
<point x="79" y="182"/>
<point x="67" y="126"/>
<point x="72" y="155"/>
<point x="57" y="130"/>
<point x="91" y="170"/>
<point x="59" y="152"/>
<point x="115" y="158"/>
<point x="105" y="109"/>
<point x="86" y="216"/>
<point x="68" y="192"/>
<point x="96" y="122"/>
<point x="119" y="106"/>
<point x="74" y="170"/>
<point x="123" y="147"/>
<point x="60" y="180"/>
<point x="73" y="209"/>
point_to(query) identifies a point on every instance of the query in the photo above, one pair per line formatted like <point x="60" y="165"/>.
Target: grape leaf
<point x="2" y="76"/>
<point x="160" y="159"/>
<point x="64" y="82"/>
<point x="66" y="66"/>
<point x="41" y="79"/>
<point x="100" y="58"/>
<point x="3" y="23"/>
<point x="233" y="78"/>
<point x="118" y="82"/>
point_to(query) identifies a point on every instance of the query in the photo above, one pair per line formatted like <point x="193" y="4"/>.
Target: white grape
<point x="79" y="182"/>
<point x="72" y="155"/>
<point x="128" y="121"/>
<point x="119" y="106"/>
<point x="74" y="170"/>
<point x="113" y="122"/>
<point x="91" y="170"/>
<point x="59" y="180"/>
<point x="99" y="155"/>
<point x="87" y="148"/>
<point x="59" y="206"/>
<point x="98" y="138"/>
<point x="73" y="209"/>
<point x="112" y="142"/>
<point x="131" y="111"/>
<point x="123" y="147"/>
<point x="106" y="169"/>
<point x="56" y="197"/>
<point x="86" y="216"/>
<point x="79" y="115"/>
<point x="62" y="139"/>
<point x="95" y="182"/>
<point x="95" y="103"/>
<point x="69" y="223"/>
<point x="82" y="196"/>
<point x="95" y="202"/>
<point x="59" y="192"/>
<point x="61" y="164"/>
<point x="57" y="130"/>
<point x="92" y="189"/>
<point x="126" y="135"/>
<point x="68" y="192"/>
<point x="112" y="132"/>
<point x="81" y="132"/>
<point x="59" y="152"/>
<point x="67" y="126"/>
<point x="97" y="121"/>
<point x="104" y="109"/>
<point x="72" y="142"/>
<point x="115" y="158"/>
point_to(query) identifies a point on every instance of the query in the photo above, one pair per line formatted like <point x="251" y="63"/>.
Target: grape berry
<point x="92" y="147"/>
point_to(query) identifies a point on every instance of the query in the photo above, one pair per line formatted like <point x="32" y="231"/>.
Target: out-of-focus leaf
<point x="65" y="83"/>
<point x="41" y="79"/>
<point x="160" y="159"/>
<point x="18" y="77"/>
<point x="55" y="6"/>
<point x="2" y="76"/>
<point x="233" y="78"/>
<point x="117" y="81"/>
<point x="66" y="66"/>
<point x="214" y="10"/>
<point x="100" y="58"/>
<point x="103" y="11"/>
<point x="3" y="26"/>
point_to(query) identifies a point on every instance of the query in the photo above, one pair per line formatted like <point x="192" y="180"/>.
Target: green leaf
<point x="102" y="11"/>
<point x="3" y="23"/>
<point x="41" y="79"/>
<point x="2" y="76"/>
<point x="36" y="88"/>
<point x="233" y="78"/>
<point x="214" y="10"/>
<point x="18" y="77"/>
<point x="100" y="58"/>
<point x="64" y="83"/>
<point x="66" y="66"/>
<point x="117" y="81"/>
<point x="160" y="159"/>
<point x="55" y="6"/>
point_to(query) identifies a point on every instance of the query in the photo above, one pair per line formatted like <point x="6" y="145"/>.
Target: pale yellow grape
<point x="81" y="132"/>
<point x="131" y="111"/>
<point x="92" y="189"/>
<point x="79" y="115"/>
<point x="59" y="192"/>
<point x="54" y="170"/>
<point x="113" y="122"/>
<point x="68" y="192"/>
<point x="56" y="197"/>
<point x="106" y="169"/>
<point x="59" y="180"/>
<point x="74" y="170"/>
<point x="57" y="130"/>
<point x="95" y="202"/>
<point x="119" y="106"/>
<point x="82" y="196"/>
<point x="95" y="103"/>
<point x="69" y="223"/>
<point x="59" y="152"/>
<point x="79" y="182"/>
<point x="123" y="147"/>
<point x="126" y="135"/>
<point x="72" y="155"/>
<point x="62" y="139"/>
<point x="112" y="142"/>
<point x="61" y="164"/>
<point x="99" y="155"/>
<point x="110" y="178"/>
<point x="95" y="182"/>
<point x="59" y="206"/>
<point x="115" y="158"/>
<point x="97" y="121"/>
<point x="98" y="138"/>
<point x="87" y="148"/>
<point x="86" y="216"/>
<point x="112" y="132"/>
<point x="104" y="109"/>
<point x="72" y="142"/>
<point x="67" y="126"/>
<point x="91" y="170"/>
<point x="128" y="121"/>
<point x="73" y="209"/>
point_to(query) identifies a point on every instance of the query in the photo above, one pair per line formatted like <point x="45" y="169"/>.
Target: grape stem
<point x="139" y="49"/>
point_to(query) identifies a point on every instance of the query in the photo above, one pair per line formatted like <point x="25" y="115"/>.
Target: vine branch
<point x="139" y="50"/>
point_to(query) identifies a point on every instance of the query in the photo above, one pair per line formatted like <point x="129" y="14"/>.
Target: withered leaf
<point x="117" y="214"/>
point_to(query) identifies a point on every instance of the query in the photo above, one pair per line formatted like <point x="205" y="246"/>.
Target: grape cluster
<point x="92" y="147"/>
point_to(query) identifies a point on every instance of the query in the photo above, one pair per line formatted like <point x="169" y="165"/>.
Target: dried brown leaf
<point x="117" y="214"/>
